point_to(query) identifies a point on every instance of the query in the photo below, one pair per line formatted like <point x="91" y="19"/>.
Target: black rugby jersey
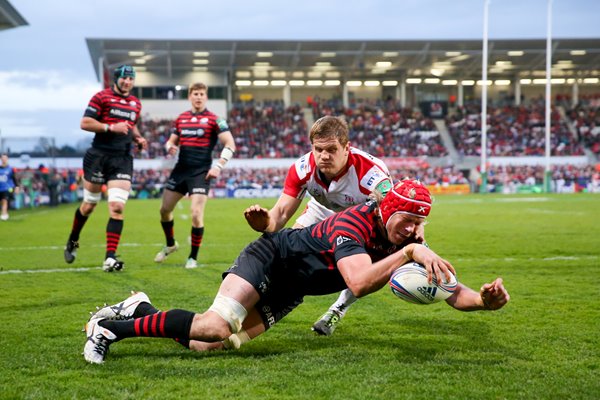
<point x="110" y="107"/>
<point x="314" y="250"/>
<point x="198" y="134"/>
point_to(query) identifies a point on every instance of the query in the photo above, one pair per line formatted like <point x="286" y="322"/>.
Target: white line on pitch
<point x="158" y="245"/>
<point x="46" y="271"/>
<point x="82" y="269"/>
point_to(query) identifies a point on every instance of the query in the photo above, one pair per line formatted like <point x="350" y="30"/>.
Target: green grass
<point x="544" y="345"/>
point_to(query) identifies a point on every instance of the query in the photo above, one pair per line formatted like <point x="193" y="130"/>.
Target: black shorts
<point x="190" y="180"/>
<point x="259" y="264"/>
<point x="99" y="167"/>
<point x="5" y="195"/>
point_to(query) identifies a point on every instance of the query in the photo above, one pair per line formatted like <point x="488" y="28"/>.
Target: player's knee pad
<point x="90" y="197"/>
<point x="236" y="340"/>
<point x="230" y="310"/>
<point x="118" y="195"/>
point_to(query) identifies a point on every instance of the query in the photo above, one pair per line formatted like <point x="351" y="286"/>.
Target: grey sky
<point x="45" y="67"/>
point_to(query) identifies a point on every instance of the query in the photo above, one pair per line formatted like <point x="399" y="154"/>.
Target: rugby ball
<point x="409" y="282"/>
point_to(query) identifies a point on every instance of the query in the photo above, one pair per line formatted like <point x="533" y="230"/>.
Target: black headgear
<point x="123" y="71"/>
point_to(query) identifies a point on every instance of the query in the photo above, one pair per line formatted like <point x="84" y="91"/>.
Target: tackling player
<point x="357" y="248"/>
<point x="195" y="136"/>
<point x="112" y="115"/>
<point x="337" y="176"/>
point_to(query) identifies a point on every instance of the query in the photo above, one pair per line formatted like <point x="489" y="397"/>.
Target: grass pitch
<point x="544" y="344"/>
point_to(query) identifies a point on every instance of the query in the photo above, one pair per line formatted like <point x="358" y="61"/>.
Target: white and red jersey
<point x="352" y="186"/>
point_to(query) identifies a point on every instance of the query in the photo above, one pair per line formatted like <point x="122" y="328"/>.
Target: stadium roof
<point x="9" y="16"/>
<point x="352" y="59"/>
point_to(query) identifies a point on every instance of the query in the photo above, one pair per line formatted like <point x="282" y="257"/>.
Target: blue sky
<point x="46" y="74"/>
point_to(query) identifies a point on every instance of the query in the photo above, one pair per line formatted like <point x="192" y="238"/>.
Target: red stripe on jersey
<point x="136" y="325"/>
<point x="161" y="326"/>
<point x="153" y="324"/>
<point x="189" y="143"/>
<point x="145" y="327"/>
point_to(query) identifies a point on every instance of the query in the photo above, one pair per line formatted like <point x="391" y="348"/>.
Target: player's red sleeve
<point x="298" y="176"/>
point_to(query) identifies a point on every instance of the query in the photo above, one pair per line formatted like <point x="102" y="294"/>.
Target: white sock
<point x="344" y="301"/>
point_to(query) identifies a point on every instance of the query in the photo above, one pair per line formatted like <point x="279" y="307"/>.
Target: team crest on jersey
<point x="132" y="103"/>
<point x="194" y="119"/>
<point x="204" y="120"/>
<point x="122" y="101"/>
<point x="222" y="124"/>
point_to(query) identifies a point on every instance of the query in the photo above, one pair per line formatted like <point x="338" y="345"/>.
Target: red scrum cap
<point x="407" y="197"/>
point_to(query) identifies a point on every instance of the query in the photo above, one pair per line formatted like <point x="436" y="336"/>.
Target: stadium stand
<point x="512" y="131"/>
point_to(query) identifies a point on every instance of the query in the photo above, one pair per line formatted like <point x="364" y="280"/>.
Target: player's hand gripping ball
<point x="409" y="282"/>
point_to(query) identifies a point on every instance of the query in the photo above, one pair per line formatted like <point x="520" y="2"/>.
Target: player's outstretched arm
<point x="492" y="296"/>
<point x="257" y="217"/>
<point x="262" y="220"/>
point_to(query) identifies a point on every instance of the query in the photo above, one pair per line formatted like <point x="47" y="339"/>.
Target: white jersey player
<point x="337" y="176"/>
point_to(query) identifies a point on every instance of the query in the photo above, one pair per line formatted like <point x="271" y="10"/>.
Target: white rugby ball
<point x="409" y="282"/>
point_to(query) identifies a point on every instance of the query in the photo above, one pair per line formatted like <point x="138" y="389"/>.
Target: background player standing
<point x="195" y="136"/>
<point x="112" y="114"/>
<point x="8" y="185"/>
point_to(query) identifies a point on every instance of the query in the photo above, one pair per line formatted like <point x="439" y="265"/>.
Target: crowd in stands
<point x="564" y="178"/>
<point x="271" y="130"/>
<point x="512" y="131"/>
<point x="268" y="130"/>
<point x="585" y="118"/>
<point x="380" y="127"/>
<point x="52" y="187"/>
<point x="265" y="130"/>
<point x="383" y="128"/>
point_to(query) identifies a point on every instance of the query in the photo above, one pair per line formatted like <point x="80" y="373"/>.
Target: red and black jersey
<point x="314" y="250"/>
<point x="198" y="134"/>
<point x="110" y="107"/>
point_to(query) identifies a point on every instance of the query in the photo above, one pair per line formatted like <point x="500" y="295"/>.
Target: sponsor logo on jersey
<point x="204" y="120"/>
<point x="192" y="132"/>
<point x="194" y="119"/>
<point x="222" y="124"/>
<point x="268" y="315"/>
<point x="132" y="103"/>
<point x="90" y="108"/>
<point x="122" y="101"/>
<point x="115" y="112"/>
<point x="342" y="239"/>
